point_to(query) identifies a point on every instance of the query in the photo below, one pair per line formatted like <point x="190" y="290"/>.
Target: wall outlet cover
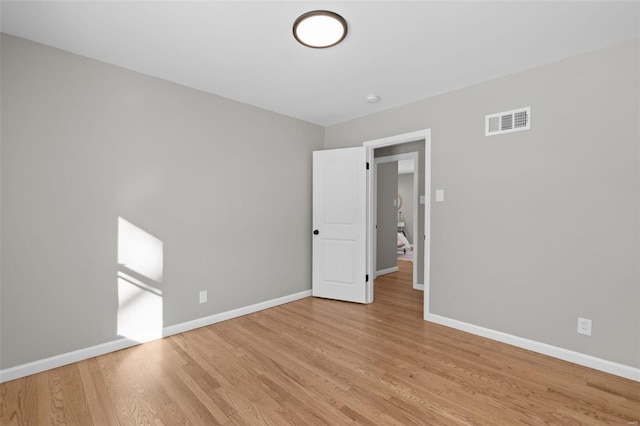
<point x="584" y="326"/>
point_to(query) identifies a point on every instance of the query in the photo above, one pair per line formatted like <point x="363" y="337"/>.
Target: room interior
<point x="407" y="199"/>
<point x="167" y="130"/>
<point x="395" y="182"/>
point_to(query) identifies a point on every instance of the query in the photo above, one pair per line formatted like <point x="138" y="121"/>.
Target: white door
<point x="339" y="224"/>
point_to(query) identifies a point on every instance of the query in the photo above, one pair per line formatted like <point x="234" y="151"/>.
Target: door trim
<point x="370" y="146"/>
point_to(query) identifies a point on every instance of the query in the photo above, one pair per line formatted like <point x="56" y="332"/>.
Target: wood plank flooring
<point x="317" y="361"/>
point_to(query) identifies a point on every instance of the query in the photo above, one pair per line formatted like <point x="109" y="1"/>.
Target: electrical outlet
<point x="203" y="296"/>
<point x="584" y="326"/>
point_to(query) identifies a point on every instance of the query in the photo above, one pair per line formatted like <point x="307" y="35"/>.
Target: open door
<point x="339" y="269"/>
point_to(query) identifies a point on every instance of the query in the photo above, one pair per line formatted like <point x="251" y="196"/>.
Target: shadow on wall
<point x="140" y="271"/>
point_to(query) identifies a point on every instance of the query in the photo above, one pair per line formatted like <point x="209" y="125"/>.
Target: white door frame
<point x="370" y="146"/>
<point x="416" y="165"/>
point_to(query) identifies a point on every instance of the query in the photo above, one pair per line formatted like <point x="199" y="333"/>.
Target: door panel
<point x="338" y="261"/>
<point x="339" y="216"/>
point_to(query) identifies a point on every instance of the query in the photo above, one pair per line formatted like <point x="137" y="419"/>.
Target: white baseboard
<point x="418" y="287"/>
<point x="39" y="366"/>
<point x="610" y="367"/>
<point x="386" y="271"/>
<point x="56" y="361"/>
<point x="223" y="316"/>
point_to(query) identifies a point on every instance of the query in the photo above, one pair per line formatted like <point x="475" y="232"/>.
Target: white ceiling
<point x="401" y="51"/>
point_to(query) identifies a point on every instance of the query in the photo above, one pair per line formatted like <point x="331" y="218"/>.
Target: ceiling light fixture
<point x="320" y="29"/>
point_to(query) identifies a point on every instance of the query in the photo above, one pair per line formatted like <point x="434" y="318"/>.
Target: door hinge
<point x="366" y="280"/>
<point x="367" y="165"/>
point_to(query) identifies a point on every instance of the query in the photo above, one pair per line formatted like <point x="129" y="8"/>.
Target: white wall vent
<point x="508" y="121"/>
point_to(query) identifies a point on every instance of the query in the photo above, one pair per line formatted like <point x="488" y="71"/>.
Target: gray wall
<point x="84" y="143"/>
<point x="405" y="190"/>
<point x="541" y="226"/>
<point x="386" y="215"/>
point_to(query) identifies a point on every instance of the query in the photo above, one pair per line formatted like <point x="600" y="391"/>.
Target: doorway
<point x="343" y="217"/>
<point x="419" y="141"/>
<point x="396" y="213"/>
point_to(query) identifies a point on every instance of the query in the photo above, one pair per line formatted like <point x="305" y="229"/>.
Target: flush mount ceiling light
<point x="320" y="29"/>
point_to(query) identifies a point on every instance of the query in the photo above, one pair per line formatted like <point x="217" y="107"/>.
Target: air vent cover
<point x="508" y="121"/>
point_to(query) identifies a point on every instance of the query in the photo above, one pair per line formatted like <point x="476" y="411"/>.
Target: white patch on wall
<point x="140" y="274"/>
<point x="507" y="121"/>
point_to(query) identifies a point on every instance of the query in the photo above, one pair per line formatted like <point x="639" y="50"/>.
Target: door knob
<point x="316" y="232"/>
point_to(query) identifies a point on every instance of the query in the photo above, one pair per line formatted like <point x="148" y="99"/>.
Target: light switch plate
<point x="439" y="195"/>
<point x="422" y="199"/>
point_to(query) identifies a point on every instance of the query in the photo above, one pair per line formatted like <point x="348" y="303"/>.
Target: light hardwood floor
<point x="317" y="361"/>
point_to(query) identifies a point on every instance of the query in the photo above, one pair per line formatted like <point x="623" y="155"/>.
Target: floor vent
<point x="508" y="121"/>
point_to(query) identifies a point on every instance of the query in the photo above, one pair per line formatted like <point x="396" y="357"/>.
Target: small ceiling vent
<point x="508" y="121"/>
